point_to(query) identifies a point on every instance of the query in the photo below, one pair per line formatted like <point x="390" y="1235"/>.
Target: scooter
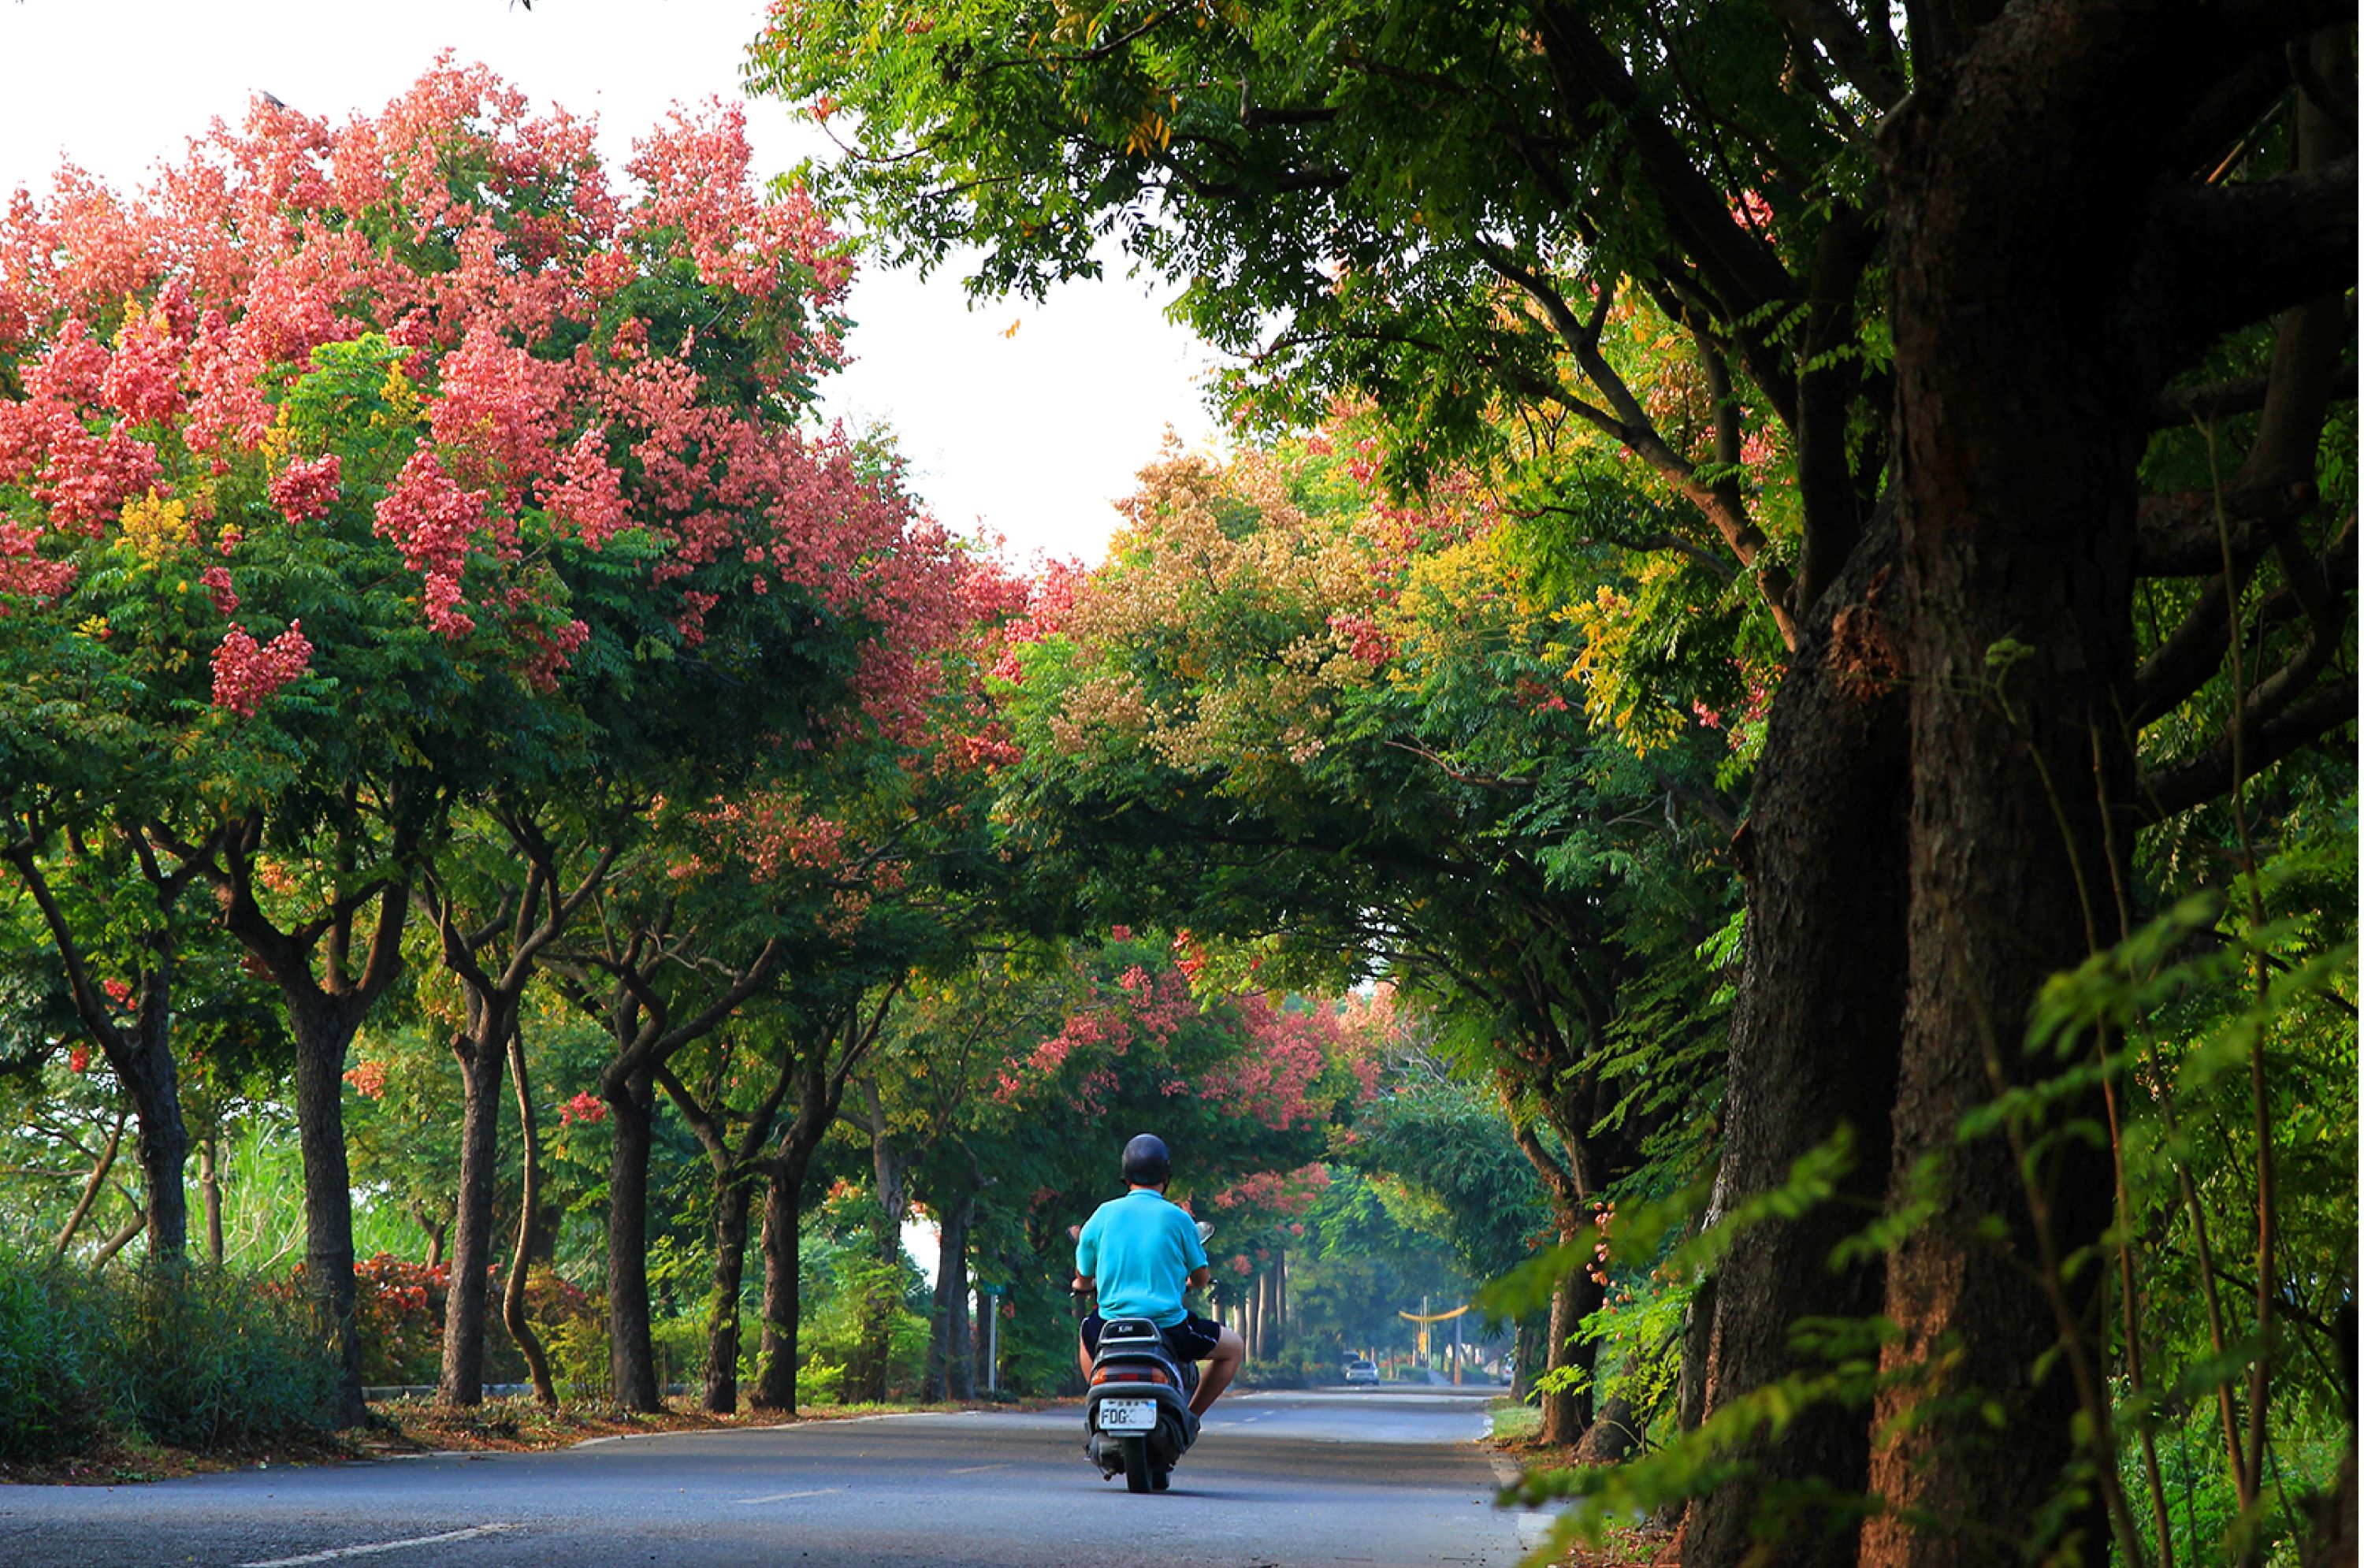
<point x="1137" y="1414"/>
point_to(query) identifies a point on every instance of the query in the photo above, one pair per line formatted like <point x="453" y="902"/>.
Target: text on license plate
<point x="1127" y="1415"/>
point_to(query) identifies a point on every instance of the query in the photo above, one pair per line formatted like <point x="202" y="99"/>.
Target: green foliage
<point x="193" y="1358"/>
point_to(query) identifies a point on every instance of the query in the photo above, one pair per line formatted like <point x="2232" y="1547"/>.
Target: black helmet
<point x="1146" y="1163"/>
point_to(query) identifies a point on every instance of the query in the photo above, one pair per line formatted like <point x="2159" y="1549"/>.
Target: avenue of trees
<point x="1754" y="742"/>
<point x="1963" y="414"/>
<point x="517" y="802"/>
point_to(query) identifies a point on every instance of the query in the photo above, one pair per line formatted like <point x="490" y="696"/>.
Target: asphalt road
<point x="1289" y="1480"/>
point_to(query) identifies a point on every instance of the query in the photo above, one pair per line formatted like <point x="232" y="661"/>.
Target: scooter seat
<point x="1130" y="1331"/>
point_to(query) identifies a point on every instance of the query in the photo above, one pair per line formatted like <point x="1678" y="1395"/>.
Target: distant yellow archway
<point x="1424" y="1319"/>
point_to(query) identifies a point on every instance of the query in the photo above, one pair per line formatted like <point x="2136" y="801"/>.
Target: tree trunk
<point x="776" y="1362"/>
<point x="1567" y="1412"/>
<point x="323" y="1029"/>
<point x="1813" y="1044"/>
<point x="952" y="1361"/>
<point x="480" y="1052"/>
<point x="632" y="1353"/>
<point x="819" y="1092"/>
<point x="734" y="1195"/>
<point x="1527" y="1338"/>
<point x="154" y="1080"/>
<point x="513" y="1316"/>
<point x="1280" y="1297"/>
<point x="209" y="1188"/>
<point x="2021" y="418"/>
<point x="141" y="1056"/>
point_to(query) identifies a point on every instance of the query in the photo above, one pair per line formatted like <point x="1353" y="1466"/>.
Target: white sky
<point x="1034" y="433"/>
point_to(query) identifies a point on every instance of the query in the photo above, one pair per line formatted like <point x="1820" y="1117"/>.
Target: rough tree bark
<point x="952" y="1361"/>
<point x="2022" y="413"/>
<point x="775" y="1389"/>
<point x="632" y="1354"/>
<point x="325" y="1005"/>
<point x="480" y="1049"/>
<point x="1815" y="1037"/>
<point x="1565" y="1411"/>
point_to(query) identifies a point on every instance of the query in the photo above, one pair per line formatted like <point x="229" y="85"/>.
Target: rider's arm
<point x="1088" y="1257"/>
<point x="1201" y="1277"/>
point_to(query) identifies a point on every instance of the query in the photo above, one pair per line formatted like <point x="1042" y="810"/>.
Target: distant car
<point x="1361" y="1371"/>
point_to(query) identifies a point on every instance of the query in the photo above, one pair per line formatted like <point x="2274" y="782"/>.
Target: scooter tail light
<point x="1129" y="1374"/>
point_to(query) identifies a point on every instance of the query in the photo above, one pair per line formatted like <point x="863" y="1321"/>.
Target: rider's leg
<point x="1084" y="1360"/>
<point x="1222" y="1364"/>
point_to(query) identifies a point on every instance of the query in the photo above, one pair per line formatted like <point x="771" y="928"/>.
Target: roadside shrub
<point x="576" y="1344"/>
<point x="398" y="1313"/>
<point x="208" y="1357"/>
<point x="56" y="1354"/>
<point x="821" y="1382"/>
<point x="191" y="1357"/>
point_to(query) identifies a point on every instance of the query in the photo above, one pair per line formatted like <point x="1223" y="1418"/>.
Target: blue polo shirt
<point x="1139" y="1250"/>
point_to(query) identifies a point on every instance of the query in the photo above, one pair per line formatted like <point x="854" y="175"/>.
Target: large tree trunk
<point x="952" y="1361"/>
<point x="324" y="1010"/>
<point x="733" y="1196"/>
<point x="632" y="1354"/>
<point x="1568" y="1411"/>
<point x="2021" y="419"/>
<point x="776" y="1362"/>
<point x="481" y="1053"/>
<point x="323" y="1028"/>
<point x="1813" y="1045"/>
<point x="528" y="1344"/>
<point x="867" y="1376"/>
<point x="154" y="1083"/>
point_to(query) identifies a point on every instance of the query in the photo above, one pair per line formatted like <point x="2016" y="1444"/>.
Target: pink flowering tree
<point x="353" y="473"/>
<point x="810" y="870"/>
<point x="1246" y="1088"/>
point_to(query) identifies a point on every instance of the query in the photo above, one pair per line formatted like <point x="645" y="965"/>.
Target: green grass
<point x="263" y="1206"/>
<point x="1514" y="1422"/>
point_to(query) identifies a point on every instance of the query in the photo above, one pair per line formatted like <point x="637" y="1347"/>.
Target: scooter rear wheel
<point x="1160" y="1479"/>
<point x="1136" y="1464"/>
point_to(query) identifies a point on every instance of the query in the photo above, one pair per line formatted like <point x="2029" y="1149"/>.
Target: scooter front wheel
<point x="1136" y="1464"/>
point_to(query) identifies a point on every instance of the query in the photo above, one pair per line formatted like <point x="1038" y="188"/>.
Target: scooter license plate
<point x="1127" y="1415"/>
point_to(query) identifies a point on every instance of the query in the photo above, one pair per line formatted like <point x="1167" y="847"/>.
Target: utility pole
<point x="992" y="1298"/>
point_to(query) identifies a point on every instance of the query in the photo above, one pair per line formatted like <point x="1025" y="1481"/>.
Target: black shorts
<point x="1192" y="1339"/>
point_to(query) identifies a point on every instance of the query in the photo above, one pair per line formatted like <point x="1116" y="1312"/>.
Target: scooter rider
<point x="1140" y="1252"/>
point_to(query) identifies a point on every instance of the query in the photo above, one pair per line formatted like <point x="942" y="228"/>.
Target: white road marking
<point x="784" y="1496"/>
<point x="339" y="1553"/>
<point x="972" y="1469"/>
